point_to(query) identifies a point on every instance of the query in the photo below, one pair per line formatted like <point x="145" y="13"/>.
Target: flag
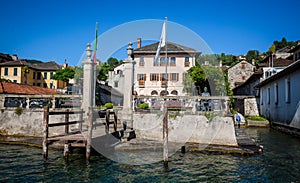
<point x="95" y="43"/>
<point x="162" y="42"/>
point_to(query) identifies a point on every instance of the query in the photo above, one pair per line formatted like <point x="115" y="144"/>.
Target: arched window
<point x="154" y="92"/>
<point x="174" y="92"/>
<point x="164" y="93"/>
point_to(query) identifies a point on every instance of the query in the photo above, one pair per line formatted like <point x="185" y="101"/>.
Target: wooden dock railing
<point x="74" y="138"/>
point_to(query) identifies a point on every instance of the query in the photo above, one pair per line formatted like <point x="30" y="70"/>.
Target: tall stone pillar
<point x="126" y="113"/>
<point x="88" y="81"/>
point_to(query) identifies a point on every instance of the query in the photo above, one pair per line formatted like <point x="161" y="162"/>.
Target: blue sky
<point x="60" y="29"/>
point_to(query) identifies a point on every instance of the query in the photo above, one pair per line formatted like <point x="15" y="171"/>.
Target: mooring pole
<point x="45" y="132"/>
<point x="165" y="136"/>
<point x="89" y="134"/>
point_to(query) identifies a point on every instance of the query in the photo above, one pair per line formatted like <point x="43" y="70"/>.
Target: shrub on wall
<point x="143" y="106"/>
<point x="109" y="105"/>
<point x="18" y="111"/>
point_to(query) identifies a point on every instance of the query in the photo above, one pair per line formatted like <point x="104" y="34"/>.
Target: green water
<point x="280" y="162"/>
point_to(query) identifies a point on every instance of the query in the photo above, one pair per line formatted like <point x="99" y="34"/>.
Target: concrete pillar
<point x="127" y="111"/>
<point x="88" y="96"/>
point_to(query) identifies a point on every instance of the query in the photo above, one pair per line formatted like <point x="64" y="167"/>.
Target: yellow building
<point x="39" y="74"/>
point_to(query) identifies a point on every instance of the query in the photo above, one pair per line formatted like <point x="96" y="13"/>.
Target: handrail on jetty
<point x="74" y="138"/>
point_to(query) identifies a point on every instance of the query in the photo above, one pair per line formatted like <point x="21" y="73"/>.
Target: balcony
<point x="163" y="83"/>
<point x="142" y="83"/>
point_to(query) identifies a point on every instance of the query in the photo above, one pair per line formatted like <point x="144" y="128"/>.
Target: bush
<point x="256" y="118"/>
<point x="143" y="106"/>
<point x="109" y="105"/>
<point x="18" y="111"/>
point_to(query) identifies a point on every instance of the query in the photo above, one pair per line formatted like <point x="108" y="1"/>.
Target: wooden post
<point x="80" y="119"/>
<point x="66" y="150"/>
<point x="115" y="121"/>
<point x="45" y="132"/>
<point x="67" y="121"/>
<point x="165" y="136"/>
<point x="89" y="134"/>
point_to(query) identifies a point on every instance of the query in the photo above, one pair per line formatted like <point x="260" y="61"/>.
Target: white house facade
<point x="154" y="78"/>
<point x="280" y="96"/>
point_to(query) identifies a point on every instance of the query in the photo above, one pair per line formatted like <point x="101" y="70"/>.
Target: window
<point x="33" y="84"/>
<point x="187" y="61"/>
<point x="39" y="75"/>
<point x="174" y="77"/>
<point x="154" y="92"/>
<point x="5" y="71"/>
<point x="287" y="90"/>
<point x="142" y="62"/>
<point x="15" y="71"/>
<point x="173" y="61"/>
<point x="174" y="92"/>
<point x="243" y="65"/>
<point x="116" y="84"/>
<point x="45" y="85"/>
<point x="33" y="77"/>
<point x="276" y="93"/>
<point x="268" y="96"/>
<point x="163" y="61"/>
<point x="45" y="75"/>
<point x="155" y="62"/>
<point x="154" y="77"/>
<point x="297" y="56"/>
<point x="15" y="81"/>
<point x="141" y="77"/>
<point x="38" y="84"/>
<point x="163" y="77"/>
<point x="51" y="85"/>
<point x="184" y="75"/>
<point x="51" y="74"/>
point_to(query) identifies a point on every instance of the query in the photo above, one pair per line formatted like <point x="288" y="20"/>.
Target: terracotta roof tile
<point x="15" y="88"/>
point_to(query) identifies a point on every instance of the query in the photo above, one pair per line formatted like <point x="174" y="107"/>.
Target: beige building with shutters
<point x="150" y="77"/>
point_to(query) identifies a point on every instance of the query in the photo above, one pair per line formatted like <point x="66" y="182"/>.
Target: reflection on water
<point x="280" y="162"/>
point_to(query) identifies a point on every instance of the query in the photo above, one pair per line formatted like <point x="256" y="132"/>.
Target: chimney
<point x="139" y="43"/>
<point x="14" y="57"/>
<point x="65" y="64"/>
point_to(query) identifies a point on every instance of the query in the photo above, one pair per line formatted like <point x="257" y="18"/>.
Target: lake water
<point x="280" y="162"/>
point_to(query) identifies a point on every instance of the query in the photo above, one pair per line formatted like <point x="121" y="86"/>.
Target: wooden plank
<point x="65" y="112"/>
<point x="64" y="123"/>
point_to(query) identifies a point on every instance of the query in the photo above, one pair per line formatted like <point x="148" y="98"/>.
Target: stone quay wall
<point x="187" y="128"/>
<point x="30" y="122"/>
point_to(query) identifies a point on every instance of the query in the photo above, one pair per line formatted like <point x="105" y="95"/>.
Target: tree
<point x="112" y="62"/>
<point x="253" y="55"/>
<point x="103" y="71"/>
<point x="78" y="72"/>
<point x="283" y="43"/>
<point x="64" y="74"/>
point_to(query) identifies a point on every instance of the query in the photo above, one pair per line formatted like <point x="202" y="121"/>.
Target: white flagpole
<point x="166" y="59"/>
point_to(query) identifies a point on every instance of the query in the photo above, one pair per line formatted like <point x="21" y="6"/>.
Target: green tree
<point x="253" y="55"/>
<point x="64" y="74"/>
<point x="103" y="71"/>
<point x="113" y="62"/>
<point x="283" y="43"/>
<point x="78" y="72"/>
<point x="188" y="85"/>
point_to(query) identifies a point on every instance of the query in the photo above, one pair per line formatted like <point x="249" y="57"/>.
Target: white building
<point x="150" y="77"/>
<point x="280" y="97"/>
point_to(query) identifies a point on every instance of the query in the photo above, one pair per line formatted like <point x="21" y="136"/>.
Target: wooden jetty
<point x="77" y="137"/>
